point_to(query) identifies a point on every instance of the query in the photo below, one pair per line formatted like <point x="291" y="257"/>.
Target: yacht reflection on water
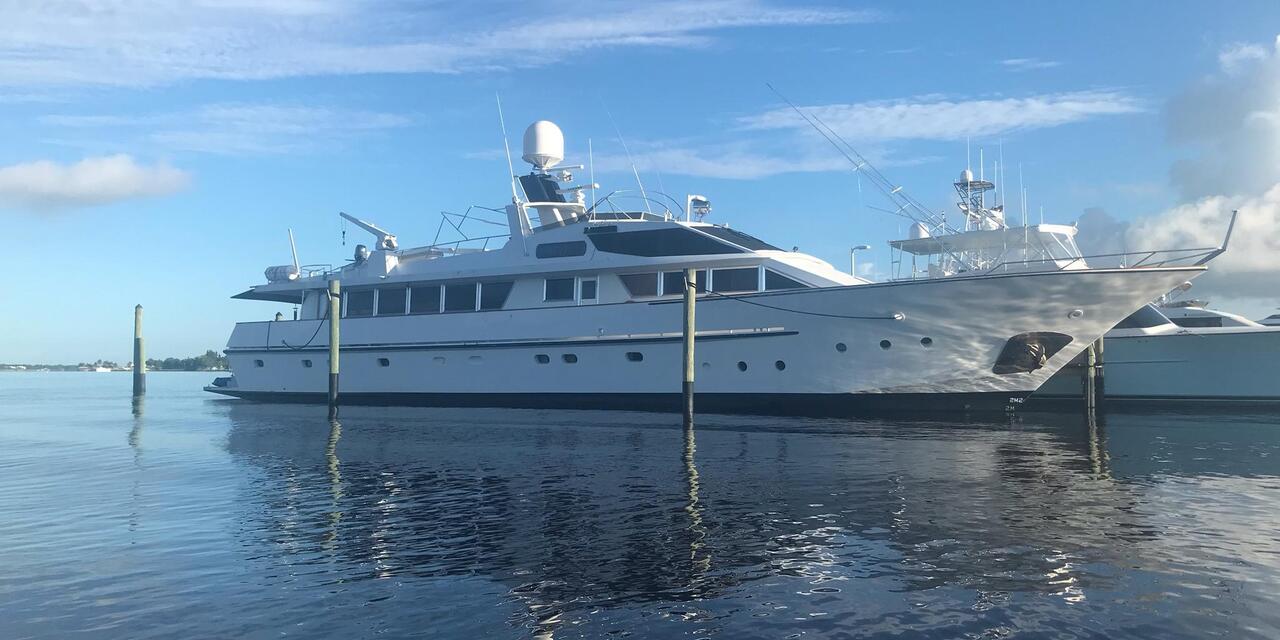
<point x="569" y="512"/>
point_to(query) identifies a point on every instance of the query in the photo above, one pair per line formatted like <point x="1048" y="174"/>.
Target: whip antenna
<point x="639" y="183"/>
<point x="511" y="170"/>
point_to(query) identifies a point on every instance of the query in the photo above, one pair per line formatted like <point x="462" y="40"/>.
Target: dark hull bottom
<point x="1148" y="403"/>
<point x="782" y="404"/>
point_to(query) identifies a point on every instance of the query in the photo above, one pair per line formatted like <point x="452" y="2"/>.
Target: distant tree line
<point x="210" y="360"/>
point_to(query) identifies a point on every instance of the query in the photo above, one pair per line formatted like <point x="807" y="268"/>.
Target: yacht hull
<point x="1237" y="365"/>
<point x="900" y="346"/>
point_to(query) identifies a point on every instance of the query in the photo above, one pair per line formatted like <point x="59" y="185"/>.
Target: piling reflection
<point x="575" y="511"/>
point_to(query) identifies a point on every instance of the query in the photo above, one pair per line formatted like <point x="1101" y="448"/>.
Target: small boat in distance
<point x="580" y="308"/>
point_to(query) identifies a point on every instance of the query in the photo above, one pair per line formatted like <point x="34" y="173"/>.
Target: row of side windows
<point x="734" y="280"/>
<point x="449" y="298"/>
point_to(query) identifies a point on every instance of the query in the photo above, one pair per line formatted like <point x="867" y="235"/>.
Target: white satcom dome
<point x="917" y="231"/>
<point x="543" y="144"/>
<point x="966" y="176"/>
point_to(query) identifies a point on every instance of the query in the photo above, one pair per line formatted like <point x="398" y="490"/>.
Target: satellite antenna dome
<point x="543" y="145"/>
<point x="918" y="231"/>
<point x="966" y="176"/>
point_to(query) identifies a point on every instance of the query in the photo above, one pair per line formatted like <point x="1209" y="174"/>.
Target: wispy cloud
<point x="1237" y="56"/>
<point x="239" y="128"/>
<point x="741" y="161"/>
<point x="45" y="186"/>
<point x="940" y="118"/>
<point x="1028" y="64"/>
<point x="143" y="43"/>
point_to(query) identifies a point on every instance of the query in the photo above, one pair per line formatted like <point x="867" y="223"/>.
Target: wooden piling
<point x="335" y="309"/>
<point x="1099" y="384"/>
<point x="139" y="355"/>
<point x="690" y="295"/>
<point x="1091" y="378"/>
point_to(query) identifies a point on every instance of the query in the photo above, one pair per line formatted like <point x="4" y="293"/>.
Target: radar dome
<point x="966" y="176"/>
<point x="543" y="144"/>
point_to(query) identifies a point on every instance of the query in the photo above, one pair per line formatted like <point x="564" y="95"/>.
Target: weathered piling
<point x="1091" y="378"/>
<point x="690" y="295"/>
<point x="335" y="309"/>
<point x="1099" y="384"/>
<point x="139" y="355"/>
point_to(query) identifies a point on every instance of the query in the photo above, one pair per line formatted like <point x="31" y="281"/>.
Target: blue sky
<point x="158" y="154"/>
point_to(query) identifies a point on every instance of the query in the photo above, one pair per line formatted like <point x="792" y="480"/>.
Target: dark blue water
<point x="198" y="517"/>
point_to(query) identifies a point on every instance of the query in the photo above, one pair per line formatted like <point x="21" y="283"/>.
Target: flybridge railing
<point x="1126" y="260"/>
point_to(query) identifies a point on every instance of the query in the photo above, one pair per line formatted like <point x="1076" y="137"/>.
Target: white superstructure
<point x="581" y="308"/>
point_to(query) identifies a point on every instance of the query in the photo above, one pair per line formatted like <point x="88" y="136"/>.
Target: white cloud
<point x="1237" y="56"/>
<point x="47" y="186"/>
<point x="939" y="118"/>
<point x="1028" y="64"/>
<point x="240" y="128"/>
<point x="1251" y="266"/>
<point x="138" y="43"/>
<point x="1230" y="122"/>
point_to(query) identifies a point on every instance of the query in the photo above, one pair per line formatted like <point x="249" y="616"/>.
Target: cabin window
<point x="494" y="294"/>
<point x="1197" y="321"/>
<point x="635" y="356"/>
<point x="587" y="289"/>
<point x="742" y="366"/>
<point x="306" y="364"/>
<point x="558" y="289"/>
<point x="259" y="363"/>
<point x="562" y="249"/>
<point x="842" y="347"/>
<point x="885" y="344"/>
<point x="542" y="358"/>
<point x="460" y="297"/>
<point x="391" y="301"/>
<point x="569" y="358"/>
<point x="673" y="282"/>
<point x="1143" y="318"/>
<point x="773" y="281"/>
<point x="739" y="238"/>
<point x="780" y="365"/>
<point x="384" y="362"/>
<point x="424" y="299"/>
<point x="640" y="284"/>
<point x="660" y="242"/>
<point x="360" y="303"/>
<point x="730" y="280"/>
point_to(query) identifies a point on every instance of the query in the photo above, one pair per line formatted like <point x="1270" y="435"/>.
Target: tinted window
<point x="391" y="301"/>
<point x="660" y="242"/>
<point x="726" y="280"/>
<point x="1145" y="317"/>
<point x="559" y="289"/>
<point x="424" y="299"/>
<point x="562" y="249"/>
<point x="673" y="282"/>
<point x="739" y="238"/>
<point x="460" y="297"/>
<point x="494" y="294"/>
<point x="359" y="303"/>
<point x="1194" y="322"/>
<point x="588" y="290"/>
<point x="640" y="284"/>
<point x="774" y="281"/>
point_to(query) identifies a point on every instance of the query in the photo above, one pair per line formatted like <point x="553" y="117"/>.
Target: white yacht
<point x="1197" y="314"/>
<point x="1151" y="357"/>
<point x="580" y="308"/>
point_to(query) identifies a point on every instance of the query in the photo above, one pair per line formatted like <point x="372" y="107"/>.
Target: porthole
<point x="306" y="363"/>
<point x="926" y="342"/>
<point x="842" y="347"/>
<point x="635" y="356"/>
<point x="542" y="358"/>
<point x="742" y="366"/>
<point x="885" y="344"/>
<point x="569" y="358"/>
<point x="258" y="363"/>
<point x="384" y="362"/>
<point x="780" y="365"/>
